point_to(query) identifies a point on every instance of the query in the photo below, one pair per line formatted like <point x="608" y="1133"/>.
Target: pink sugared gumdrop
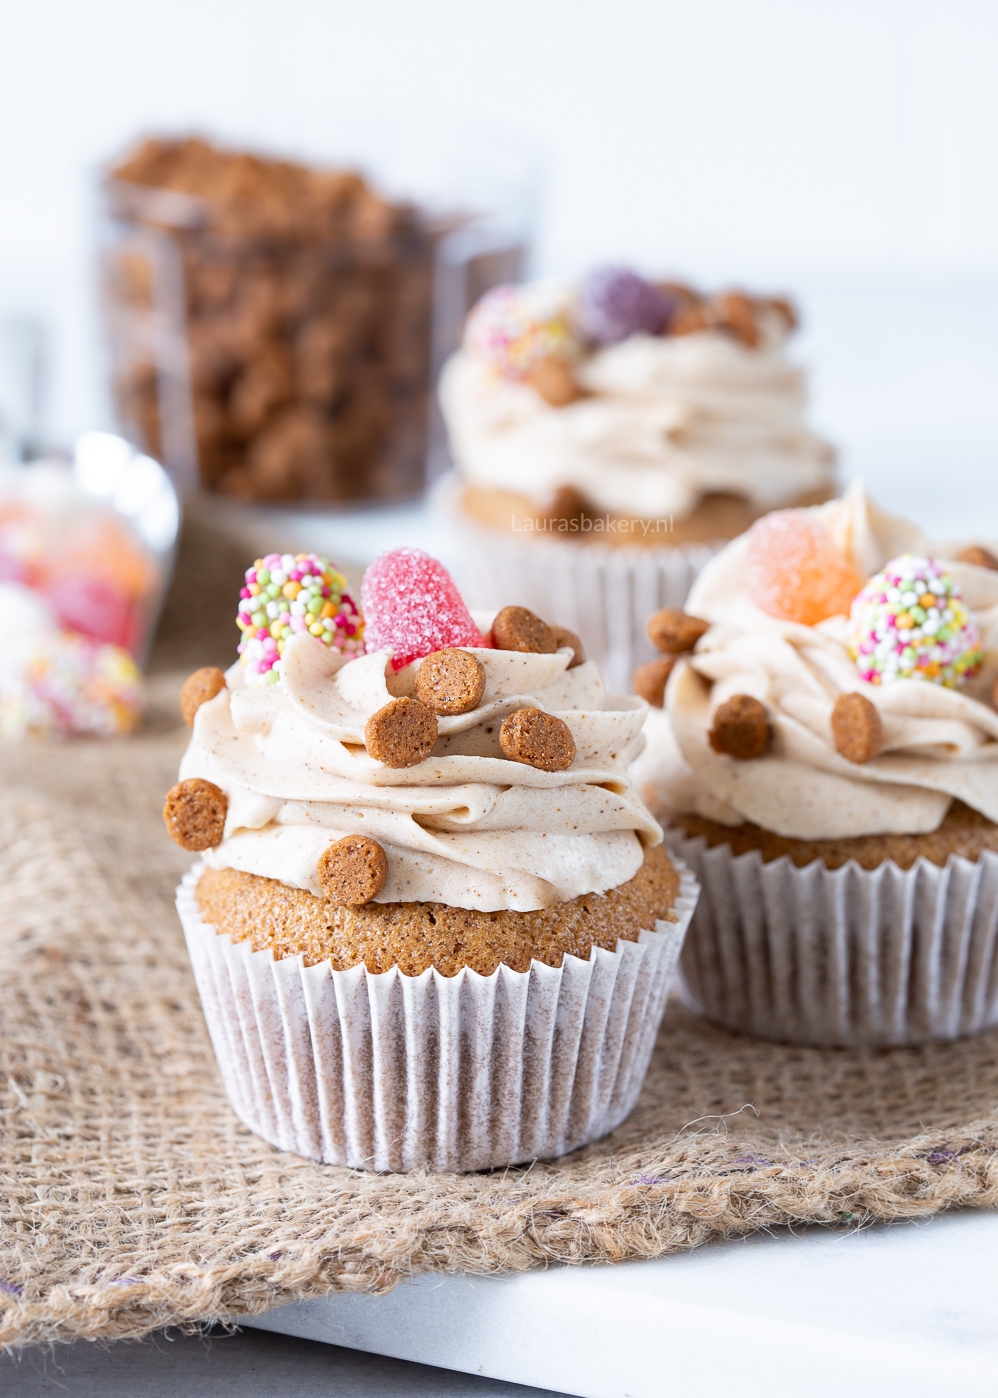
<point x="411" y="606"/>
<point x="795" y="572"/>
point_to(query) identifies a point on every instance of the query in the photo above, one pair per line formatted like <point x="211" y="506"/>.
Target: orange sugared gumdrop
<point x="795" y="572"/>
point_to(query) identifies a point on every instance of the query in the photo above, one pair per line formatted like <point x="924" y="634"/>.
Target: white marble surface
<point x="908" y="1309"/>
<point x="237" y="1364"/>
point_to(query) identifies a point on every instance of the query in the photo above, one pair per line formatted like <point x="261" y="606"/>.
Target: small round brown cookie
<point x="856" y="728"/>
<point x="517" y="628"/>
<point x="741" y="728"/>
<point x="538" y="739"/>
<point x="553" y="379"/>
<point x="198" y="688"/>
<point x="564" y="637"/>
<point x="194" y="813"/>
<point x="980" y="557"/>
<point x="674" y="631"/>
<point x="450" y="682"/>
<point x="735" y="312"/>
<point x="649" y="680"/>
<point x="353" y="871"/>
<point x="689" y="319"/>
<point x="567" y="503"/>
<point x="402" y="733"/>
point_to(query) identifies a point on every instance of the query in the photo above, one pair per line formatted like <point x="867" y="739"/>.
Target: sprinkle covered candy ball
<point x="909" y="622"/>
<point x="515" y="328"/>
<point x="614" y="302"/>
<point x="71" y="684"/>
<point x="287" y="593"/>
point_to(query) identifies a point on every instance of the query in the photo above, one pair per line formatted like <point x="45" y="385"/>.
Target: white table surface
<point x="903" y="1309"/>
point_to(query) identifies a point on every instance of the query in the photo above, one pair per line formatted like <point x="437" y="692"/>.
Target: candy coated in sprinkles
<point x="288" y="593"/>
<point x="513" y="328"/>
<point x="69" y="684"/>
<point x="412" y="607"/>
<point x="909" y="622"/>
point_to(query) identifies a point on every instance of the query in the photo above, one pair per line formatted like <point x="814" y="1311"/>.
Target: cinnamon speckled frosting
<point x="939" y="743"/>
<point x="666" y="421"/>
<point x="467" y="826"/>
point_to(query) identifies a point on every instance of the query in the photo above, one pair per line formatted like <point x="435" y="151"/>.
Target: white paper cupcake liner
<point x="394" y="1072"/>
<point x="604" y="594"/>
<point x="842" y="957"/>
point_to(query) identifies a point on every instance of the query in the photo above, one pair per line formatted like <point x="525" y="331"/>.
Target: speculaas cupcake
<point x="827" y="761"/>
<point x="609" y="436"/>
<point x="433" y="925"/>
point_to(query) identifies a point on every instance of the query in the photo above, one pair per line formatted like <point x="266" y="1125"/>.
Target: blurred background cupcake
<point x="608" y="436"/>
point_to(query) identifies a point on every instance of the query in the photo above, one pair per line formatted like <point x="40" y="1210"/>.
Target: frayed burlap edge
<point x="131" y="1198"/>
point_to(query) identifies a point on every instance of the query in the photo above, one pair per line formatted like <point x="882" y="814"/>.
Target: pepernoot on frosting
<point x="489" y="777"/>
<point x="917" y="642"/>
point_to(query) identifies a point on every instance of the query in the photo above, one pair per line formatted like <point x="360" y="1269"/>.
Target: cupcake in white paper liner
<point x="843" y="957"/>
<point x="827" y="761"/>
<point x="609" y="436"/>
<point x="466" y="1072"/>
<point x="434" y="926"/>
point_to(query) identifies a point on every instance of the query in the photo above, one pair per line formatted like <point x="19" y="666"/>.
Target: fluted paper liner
<point x="842" y="957"/>
<point x="394" y="1072"/>
<point x="604" y="594"/>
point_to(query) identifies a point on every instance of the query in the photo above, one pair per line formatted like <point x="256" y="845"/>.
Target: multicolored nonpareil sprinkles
<point x="909" y="622"/>
<point x="71" y="684"/>
<point x="288" y="593"/>
<point x="513" y="328"/>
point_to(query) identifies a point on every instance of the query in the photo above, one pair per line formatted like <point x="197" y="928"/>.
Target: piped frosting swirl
<point x="661" y="423"/>
<point x="938" y="743"/>
<point x="466" y="826"/>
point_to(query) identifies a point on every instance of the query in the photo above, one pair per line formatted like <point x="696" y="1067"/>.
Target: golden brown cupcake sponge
<point x="415" y="936"/>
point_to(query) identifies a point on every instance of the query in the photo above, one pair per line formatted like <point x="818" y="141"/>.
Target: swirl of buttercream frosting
<point x="466" y="826"/>
<point x="938" y="744"/>
<point x="666" y="421"/>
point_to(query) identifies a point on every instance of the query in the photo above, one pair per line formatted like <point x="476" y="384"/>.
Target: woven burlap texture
<point x="131" y="1197"/>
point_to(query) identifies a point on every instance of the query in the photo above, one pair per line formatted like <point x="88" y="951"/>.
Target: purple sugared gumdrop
<point x="411" y="605"/>
<point x="614" y="302"/>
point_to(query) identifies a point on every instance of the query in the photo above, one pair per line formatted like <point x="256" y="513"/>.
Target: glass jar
<point x="275" y="328"/>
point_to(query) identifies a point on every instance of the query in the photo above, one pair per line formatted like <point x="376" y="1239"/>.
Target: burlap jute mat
<point x="131" y="1197"/>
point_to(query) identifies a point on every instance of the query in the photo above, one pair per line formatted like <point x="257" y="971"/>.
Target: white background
<point x="846" y="149"/>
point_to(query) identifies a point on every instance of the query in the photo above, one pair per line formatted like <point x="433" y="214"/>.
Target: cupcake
<point x="826" y="759"/>
<point x="432" y="924"/>
<point x="607" y="437"/>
